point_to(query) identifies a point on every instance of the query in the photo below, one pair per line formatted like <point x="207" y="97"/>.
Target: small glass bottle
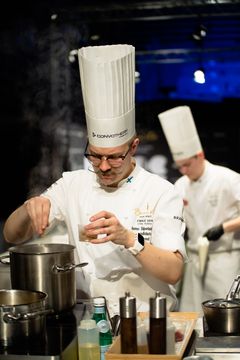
<point x="157" y="325"/>
<point x="103" y="324"/>
<point x="128" y="332"/>
<point x="88" y="340"/>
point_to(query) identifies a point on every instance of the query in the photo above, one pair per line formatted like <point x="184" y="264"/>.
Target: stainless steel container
<point x="22" y="315"/>
<point x="45" y="267"/>
<point x="222" y="316"/>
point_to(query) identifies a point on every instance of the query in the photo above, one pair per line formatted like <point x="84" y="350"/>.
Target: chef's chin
<point x="109" y="180"/>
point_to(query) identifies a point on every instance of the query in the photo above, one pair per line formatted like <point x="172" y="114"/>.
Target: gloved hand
<point x="214" y="233"/>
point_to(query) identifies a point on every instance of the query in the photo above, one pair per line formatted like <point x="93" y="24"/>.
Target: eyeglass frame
<point x="187" y="164"/>
<point x="107" y="157"/>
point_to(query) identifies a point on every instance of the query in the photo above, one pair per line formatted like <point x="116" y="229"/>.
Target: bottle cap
<point x="88" y="324"/>
<point x="158" y="308"/>
<point x="128" y="306"/>
<point x="99" y="301"/>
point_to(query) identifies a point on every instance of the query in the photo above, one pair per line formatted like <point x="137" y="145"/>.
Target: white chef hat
<point x="107" y="76"/>
<point x="181" y="133"/>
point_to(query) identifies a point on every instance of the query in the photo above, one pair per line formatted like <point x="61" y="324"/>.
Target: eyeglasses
<point x="113" y="160"/>
<point x="186" y="164"/>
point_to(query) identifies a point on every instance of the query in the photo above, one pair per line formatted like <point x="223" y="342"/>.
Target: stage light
<point x="199" y="76"/>
<point x="137" y="77"/>
<point x="72" y="55"/>
<point x="200" y="33"/>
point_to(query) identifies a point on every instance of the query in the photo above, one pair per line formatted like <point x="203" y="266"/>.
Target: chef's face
<point x="112" y="164"/>
<point x="192" y="167"/>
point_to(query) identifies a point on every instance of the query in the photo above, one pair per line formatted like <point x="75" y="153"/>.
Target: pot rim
<point x="42" y="296"/>
<point x="41" y="249"/>
<point x="213" y="304"/>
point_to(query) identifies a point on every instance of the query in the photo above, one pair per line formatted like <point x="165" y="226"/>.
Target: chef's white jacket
<point x="211" y="200"/>
<point x="143" y="202"/>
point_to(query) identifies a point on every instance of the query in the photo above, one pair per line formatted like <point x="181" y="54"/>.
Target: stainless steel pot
<point x="22" y="315"/>
<point x="222" y="316"/>
<point x="46" y="267"/>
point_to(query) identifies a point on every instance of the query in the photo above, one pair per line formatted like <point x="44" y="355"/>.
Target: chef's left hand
<point x="214" y="233"/>
<point x="103" y="227"/>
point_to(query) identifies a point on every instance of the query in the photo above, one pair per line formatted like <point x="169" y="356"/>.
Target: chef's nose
<point x="183" y="169"/>
<point x="104" y="164"/>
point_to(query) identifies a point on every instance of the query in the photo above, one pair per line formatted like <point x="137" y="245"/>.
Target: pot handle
<point x="5" y="257"/>
<point x="57" y="268"/>
<point x="234" y="290"/>
<point x="11" y="317"/>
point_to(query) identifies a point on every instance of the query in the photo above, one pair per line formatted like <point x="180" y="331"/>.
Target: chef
<point x="211" y="195"/>
<point x="124" y="221"/>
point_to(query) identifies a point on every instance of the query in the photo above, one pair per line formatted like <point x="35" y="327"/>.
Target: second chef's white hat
<point x="181" y="133"/>
<point x="107" y="76"/>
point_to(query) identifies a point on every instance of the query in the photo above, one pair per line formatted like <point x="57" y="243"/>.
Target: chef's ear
<point x="201" y="155"/>
<point x="134" y="145"/>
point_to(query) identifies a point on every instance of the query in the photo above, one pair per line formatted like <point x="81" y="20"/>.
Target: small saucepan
<point x="22" y="315"/>
<point x="222" y="316"/>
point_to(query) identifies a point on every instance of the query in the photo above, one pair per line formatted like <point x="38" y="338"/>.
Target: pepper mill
<point x="128" y="315"/>
<point x="157" y="325"/>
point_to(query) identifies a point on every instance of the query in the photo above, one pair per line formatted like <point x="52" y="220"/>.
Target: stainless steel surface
<point x="45" y="267"/>
<point x="5" y="281"/>
<point x="128" y="306"/>
<point x="218" y="347"/>
<point x="198" y="357"/>
<point x="218" y="344"/>
<point x="221" y="356"/>
<point x="22" y="315"/>
<point x="158" y="306"/>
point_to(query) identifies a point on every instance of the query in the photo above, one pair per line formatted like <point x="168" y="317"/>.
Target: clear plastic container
<point x="170" y="337"/>
<point x="142" y="340"/>
<point x="88" y="340"/>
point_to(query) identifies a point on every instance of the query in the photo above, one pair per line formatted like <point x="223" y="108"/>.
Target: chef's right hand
<point x="38" y="209"/>
<point x="214" y="233"/>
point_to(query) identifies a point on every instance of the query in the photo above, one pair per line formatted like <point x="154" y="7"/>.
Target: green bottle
<point x="103" y="324"/>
